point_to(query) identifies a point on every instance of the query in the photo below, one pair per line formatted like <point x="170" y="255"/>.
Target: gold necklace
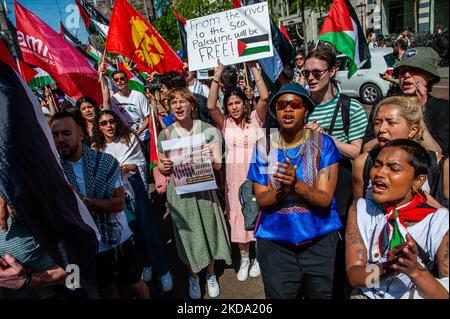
<point x="283" y="147"/>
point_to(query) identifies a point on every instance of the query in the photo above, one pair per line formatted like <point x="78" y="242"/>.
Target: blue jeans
<point x="147" y="238"/>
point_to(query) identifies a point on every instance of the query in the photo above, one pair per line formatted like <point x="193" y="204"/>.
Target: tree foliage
<point x="188" y="9"/>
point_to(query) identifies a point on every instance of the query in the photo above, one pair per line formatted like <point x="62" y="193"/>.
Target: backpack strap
<point x="333" y="119"/>
<point x="433" y="175"/>
<point x="345" y="105"/>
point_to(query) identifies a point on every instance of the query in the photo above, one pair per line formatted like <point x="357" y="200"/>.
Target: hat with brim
<point x="426" y="59"/>
<point x="292" y="88"/>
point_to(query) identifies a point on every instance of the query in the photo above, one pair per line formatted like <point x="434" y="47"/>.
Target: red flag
<point x="27" y="72"/>
<point x="284" y="31"/>
<point x="5" y="56"/>
<point x="132" y="36"/>
<point x="43" y="47"/>
<point x="236" y="4"/>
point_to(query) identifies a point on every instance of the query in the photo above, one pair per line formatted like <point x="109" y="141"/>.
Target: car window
<point x="341" y="63"/>
<point x="390" y="59"/>
<point x="366" y="65"/>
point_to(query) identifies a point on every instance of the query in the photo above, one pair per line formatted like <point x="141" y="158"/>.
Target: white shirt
<point x="131" y="154"/>
<point x="428" y="233"/>
<point x="199" y="88"/>
<point x="126" y="231"/>
<point x="133" y="110"/>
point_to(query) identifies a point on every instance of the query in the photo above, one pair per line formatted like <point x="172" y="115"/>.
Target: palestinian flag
<point x="32" y="180"/>
<point x="41" y="79"/>
<point x="253" y="45"/>
<point x="93" y="20"/>
<point x="134" y="83"/>
<point x="283" y="50"/>
<point x="342" y="29"/>
<point x="73" y="40"/>
<point x="284" y="31"/>
<point x="181" y="24"/>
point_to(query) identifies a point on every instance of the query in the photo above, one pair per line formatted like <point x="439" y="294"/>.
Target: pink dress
<point x="239" y="145"/>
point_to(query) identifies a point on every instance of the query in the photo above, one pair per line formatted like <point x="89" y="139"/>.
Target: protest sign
<point x="205" y="74"/>
<point x="192" y="172"/>
<point x="233" y="36"/>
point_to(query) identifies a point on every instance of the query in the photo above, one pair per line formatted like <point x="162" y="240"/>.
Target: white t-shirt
<point x="131" y="154"/>
<point x="126" y="231"/>
<point x="199" y="88"/>
<point x="133" y="110"/>
<point x="428" y="233"/>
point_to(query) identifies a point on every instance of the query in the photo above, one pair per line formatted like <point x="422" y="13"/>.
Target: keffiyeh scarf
<point x="101" y="171"/>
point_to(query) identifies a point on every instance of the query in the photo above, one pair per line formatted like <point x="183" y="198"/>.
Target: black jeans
<point x="147" y="238"/>
<point x="292" y="272"/>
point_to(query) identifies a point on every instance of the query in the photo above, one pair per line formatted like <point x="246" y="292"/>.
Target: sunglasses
<point x="295" y="104"/>
<point x="119" y="79"/>
<point x="316" y="73"/>
<point x="106" y="122"/>
<point x="298" y="59"/>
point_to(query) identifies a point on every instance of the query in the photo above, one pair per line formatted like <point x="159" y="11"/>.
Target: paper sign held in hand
<point x="233" y="36"/>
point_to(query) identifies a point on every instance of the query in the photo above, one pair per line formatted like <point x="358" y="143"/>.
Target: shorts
<point x="121" y="261"/>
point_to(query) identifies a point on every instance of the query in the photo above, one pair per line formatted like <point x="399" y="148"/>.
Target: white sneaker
<point x="213" y="286"/>
<point x="242" y="274"/>
<point x="254" y="270"/>
<point x="166" y="281"/>
<point x="194" y="288"/>
<point x="147" y="274"/>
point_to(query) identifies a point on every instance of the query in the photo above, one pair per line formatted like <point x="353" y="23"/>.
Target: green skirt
<point x="199" y="226"/>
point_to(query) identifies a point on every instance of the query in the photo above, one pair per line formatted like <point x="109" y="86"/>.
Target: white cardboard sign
<point x="233" y="36"/>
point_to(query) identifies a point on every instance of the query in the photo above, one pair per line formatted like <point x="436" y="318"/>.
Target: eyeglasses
<point x="299" y="58"/>
<point x="182" y="103"/>
<point x="106" y="122"/>
<point x="119" y="79"/>
<point x="295" y="104"/>
<point x="316" y="73"/>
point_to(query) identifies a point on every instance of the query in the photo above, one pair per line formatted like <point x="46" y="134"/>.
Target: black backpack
<point x="250" y="208"/>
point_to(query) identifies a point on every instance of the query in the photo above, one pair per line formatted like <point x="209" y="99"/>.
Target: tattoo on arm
<point x="353" y="236"/>
<point x="443" y="261"/>
<point x="325" y="172"/>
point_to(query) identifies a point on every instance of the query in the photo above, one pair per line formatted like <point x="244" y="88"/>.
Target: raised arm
<point x="263" y="102"/>
<point x="104" y="86"/>
<point x="213" y="96"/>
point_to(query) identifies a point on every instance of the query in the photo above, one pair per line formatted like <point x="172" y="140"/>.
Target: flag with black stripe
<point x="33" y="184"/>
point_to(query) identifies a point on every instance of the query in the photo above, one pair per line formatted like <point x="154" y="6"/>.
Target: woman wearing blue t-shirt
<point x="294" y="182"/>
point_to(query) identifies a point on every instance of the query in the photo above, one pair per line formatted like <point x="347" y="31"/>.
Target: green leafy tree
<point x="320" y="6"/>
<point x="188" y="9"/>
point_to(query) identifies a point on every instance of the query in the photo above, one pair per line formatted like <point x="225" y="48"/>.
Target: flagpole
<point x="20" y="69"/>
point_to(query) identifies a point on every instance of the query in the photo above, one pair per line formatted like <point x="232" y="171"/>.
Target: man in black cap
<point x="417" y="73"/>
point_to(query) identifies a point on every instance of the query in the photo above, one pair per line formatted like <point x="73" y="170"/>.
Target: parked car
<point x="366" y="83"/>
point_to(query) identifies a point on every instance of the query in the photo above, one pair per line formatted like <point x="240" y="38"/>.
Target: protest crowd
<point x="321" y="199"/>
